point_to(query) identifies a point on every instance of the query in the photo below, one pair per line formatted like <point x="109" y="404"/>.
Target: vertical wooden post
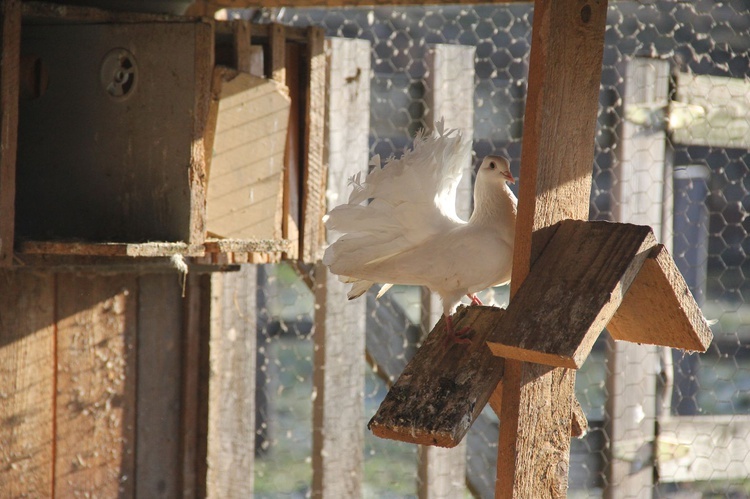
<point x="339" y="339"/>
<point x="10" y="53"/>
<point x="556" y="166"/>
<point x="231" y="402"/>
<point x="631" y="380"/>
<point x="450" y="96"/>
<point x="158" y="466"/>
<point x="27" y="383"/>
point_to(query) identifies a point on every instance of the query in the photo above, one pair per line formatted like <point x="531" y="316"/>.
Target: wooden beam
<point x="27" y="383"/>
<point x="158" y="466"/>
<point x="640" y="198"/>
<point x="556" y="165"/>
<point x="339" y="339"/>
<point x="314" y="170"/>
<point x="231" y="402"/>
<point x="10" y="54"/>
<point x="578" y="281"/>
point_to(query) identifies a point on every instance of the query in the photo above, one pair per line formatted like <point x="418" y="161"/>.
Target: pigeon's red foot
<point x="475" y="299"/>
<point x="458" y="336"/>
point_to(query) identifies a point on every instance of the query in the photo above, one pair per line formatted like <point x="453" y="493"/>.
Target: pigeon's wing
<point x="411" y="199"/>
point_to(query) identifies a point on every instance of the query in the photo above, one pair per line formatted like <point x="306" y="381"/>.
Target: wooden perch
<point x="446" y="385"/>
<point x="577" y="286"/>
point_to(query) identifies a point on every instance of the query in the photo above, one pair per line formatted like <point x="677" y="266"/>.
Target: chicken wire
<point x="710" y="188"/>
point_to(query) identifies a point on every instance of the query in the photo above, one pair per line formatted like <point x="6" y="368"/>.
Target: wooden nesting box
<point x="110" y="138"/>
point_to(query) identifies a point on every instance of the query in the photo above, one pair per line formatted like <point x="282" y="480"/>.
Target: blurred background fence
<point x="672" y="151"/>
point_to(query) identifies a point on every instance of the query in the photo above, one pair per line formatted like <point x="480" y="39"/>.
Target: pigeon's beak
<point x="509" y="177"/>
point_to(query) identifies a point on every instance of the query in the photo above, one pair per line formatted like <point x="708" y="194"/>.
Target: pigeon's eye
<point x="493" y="165"/>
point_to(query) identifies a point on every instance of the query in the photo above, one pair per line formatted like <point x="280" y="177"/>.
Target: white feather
<point x="409" y="233"/>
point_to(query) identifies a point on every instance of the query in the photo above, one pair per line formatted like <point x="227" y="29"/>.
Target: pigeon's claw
<point x="458" y="336"/>
<point x="475" y="299"/>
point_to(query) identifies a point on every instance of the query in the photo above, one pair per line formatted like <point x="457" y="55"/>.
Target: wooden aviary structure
<point x="571" y="278"/>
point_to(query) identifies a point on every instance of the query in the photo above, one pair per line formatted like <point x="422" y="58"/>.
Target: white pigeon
<point x="409" y="232"/>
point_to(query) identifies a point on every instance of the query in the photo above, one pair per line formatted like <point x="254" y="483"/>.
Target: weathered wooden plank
<point x="158" y="465"/>
<point x="198" y="170"/>
<point x="444" y="387"/>
<point x="314" y="167"/>
<point x="246" y="245"/>
<point x="710" y="111"/>
<point x="96" y="386"/>
<point x="659" y="307"/>
<point x="109" y="249"/>
<point x="231" y="404"/>
<point x="10" y="53"/>
<point x="84" y="14"/>
<point x="243" y="195"/>
<point x="696" y="448"/>
<point x="578" y="281"/>
<point x="641" y="197"/>
<point x="27" y="384"/>
<point x="556" y="164"/>
<point x="339" y="339"/>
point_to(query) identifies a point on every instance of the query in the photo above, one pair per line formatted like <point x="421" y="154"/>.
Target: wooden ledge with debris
<point x="446" y="385"/>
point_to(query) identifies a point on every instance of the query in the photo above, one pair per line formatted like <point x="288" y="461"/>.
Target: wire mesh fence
<point x="697" y="184"/>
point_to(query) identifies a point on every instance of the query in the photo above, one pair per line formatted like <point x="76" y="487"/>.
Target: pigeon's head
<point x="495" y="169"/>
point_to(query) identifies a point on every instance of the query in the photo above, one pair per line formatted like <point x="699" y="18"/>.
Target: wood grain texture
<point x="109" y="249"/>
<point x="314" y="167"/>
<point x="556" y="165"/>
<point x="96" y="386"/>
<point x="10" y="53"/>
<point x="660" y="310"/>
<point x="204" y="65"/>
<point x="572" y="292"/>
<point x="338" y="407"/>
<point x="27" y="384"/>
<point x="231" y="410"/>
<point x="252" y="117"/>
<point x="445" y="386"/>
<point x="642" y="195"/>
<point x="339" y="338"/>
<point x="158" y="465"/>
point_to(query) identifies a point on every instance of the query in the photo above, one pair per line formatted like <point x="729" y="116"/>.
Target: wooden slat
<point x="231" y="410"/>
<point x="339" y="339"/>
<point x="242" y="53"/>
<point x="556" y="163"/>
<point x="445" y="386"/>
<point x="640" y="196"/>
<point x="697" y="448"/>
<point x="83" y="14"/>
<point x="204" y="65"/>
<point x="246" y="245"/>
<point x="10" y="52"/>
<point x="27" y="384"/>
<point x="109" y="249"/>
<point x="578" y="281"/>
<point x="314" y="171"/>
<point x="158" y="466"/>
<point x="96" y="387"/>
<point x="251" y="120"/>
<point x="710" y="111"/>
<point x="659" y="307"/>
